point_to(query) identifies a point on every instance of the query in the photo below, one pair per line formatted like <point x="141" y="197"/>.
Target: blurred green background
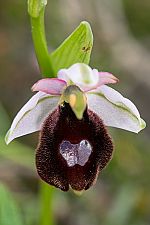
<point x="121" y="45"/>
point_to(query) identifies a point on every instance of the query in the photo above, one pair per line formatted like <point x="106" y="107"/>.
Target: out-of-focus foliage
<point x="9" y="211"/>
<point x="139" y="20"/>
<point x="121" y="195"/>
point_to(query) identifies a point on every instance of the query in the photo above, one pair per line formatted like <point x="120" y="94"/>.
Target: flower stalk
<point x="36" y="10"/>
<point x="46" y="199"/>
<point x="40" y="44"/>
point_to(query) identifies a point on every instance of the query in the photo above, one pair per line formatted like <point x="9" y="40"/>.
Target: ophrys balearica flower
<point x="71" y="112"/>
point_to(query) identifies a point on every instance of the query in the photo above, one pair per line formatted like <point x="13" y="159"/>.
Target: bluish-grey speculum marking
<point x="75" y="153"/>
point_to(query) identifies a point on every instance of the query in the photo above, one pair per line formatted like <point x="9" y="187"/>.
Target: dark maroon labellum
<point x="71" y="151"/>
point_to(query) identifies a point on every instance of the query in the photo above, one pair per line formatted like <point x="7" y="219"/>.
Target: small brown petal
<point x="60" y="126"/>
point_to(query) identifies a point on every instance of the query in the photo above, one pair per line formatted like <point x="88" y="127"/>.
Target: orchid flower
<point x="72" y="112"/>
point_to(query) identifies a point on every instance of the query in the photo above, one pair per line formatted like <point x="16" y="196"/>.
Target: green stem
<point x="40" y="45"/>
<point x="46" y="198"/>
<point x="45" y="64"/>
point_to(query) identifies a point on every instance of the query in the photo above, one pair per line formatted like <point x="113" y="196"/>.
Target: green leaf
<point x="76" y="48"/>
<point x="35" y="7"/>
<point x="9" y="211"/>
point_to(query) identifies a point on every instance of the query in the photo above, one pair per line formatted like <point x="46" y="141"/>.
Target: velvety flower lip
<point x="110" y="105"/>
<point x="76" y="169"/>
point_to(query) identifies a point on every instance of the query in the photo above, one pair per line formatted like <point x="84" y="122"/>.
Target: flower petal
<point x="107" y="78"/>
<point x="53" y="86"/>
<point x="59" y="159"/>
<point x="80" y="74"/>
<point x="114" y="109"/>
<point x="30" y="118"/>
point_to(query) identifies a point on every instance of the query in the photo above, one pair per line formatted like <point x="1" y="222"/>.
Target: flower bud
<point x="35" y="7"/>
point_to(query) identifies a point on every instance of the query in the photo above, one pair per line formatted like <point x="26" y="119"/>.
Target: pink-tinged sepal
<point x="107" y="78"/>
<point x="53" y="86"/>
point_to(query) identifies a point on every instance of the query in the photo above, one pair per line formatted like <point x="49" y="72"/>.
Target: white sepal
<point x="30" y="118"/>
<point x="114" y="109"/>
